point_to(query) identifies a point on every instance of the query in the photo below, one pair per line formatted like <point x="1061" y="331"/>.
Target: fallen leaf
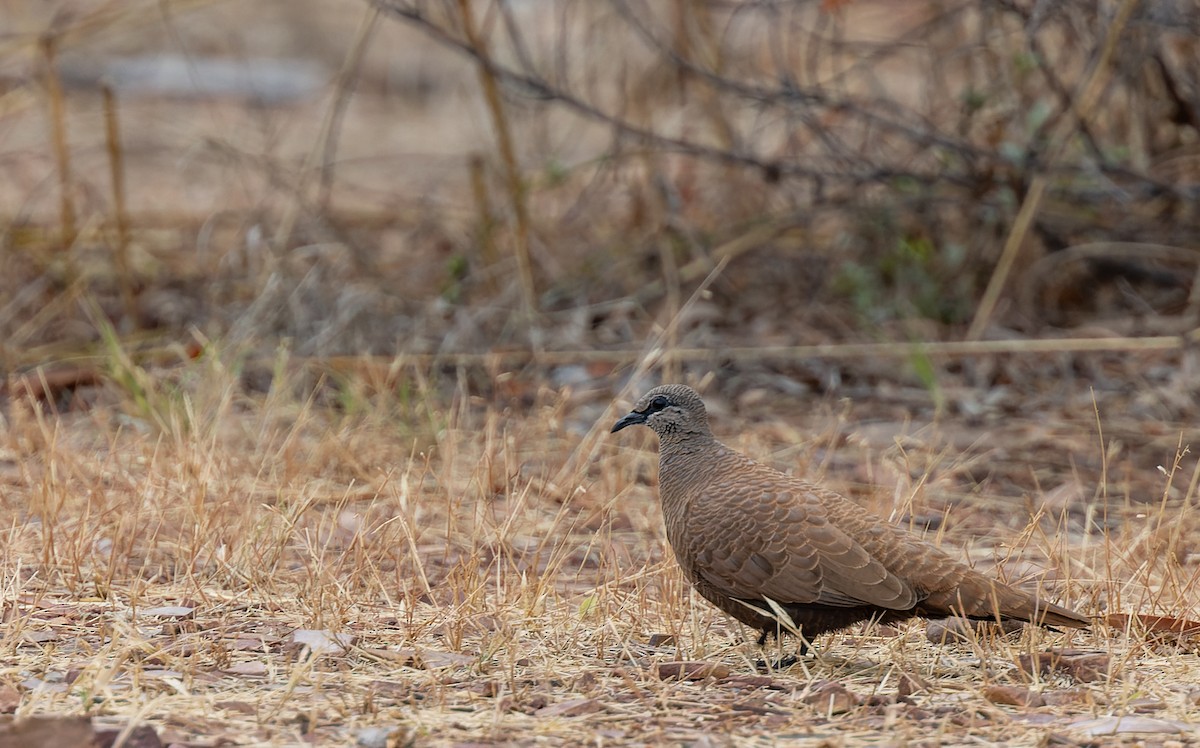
<point x="36" y="684"/>
<point x="170" y="611"/>
<point x="142" y="736"/>
<point x="487" y="688"/>
<point x="1157" y="624"/>
<point x="752" y="681"/>
<point x="1087" y="668"/>
<point x="394" y="690"/>
<point x="832" y="698"/>
<point x="1146" y="705"/>
<point x="756" y="706"/>
<point x="423" y="659"/>
<point x="1083" y="665"/>
<point x="908" y="684"/>
<point x="535" y="702"/>
<point x="1066" y="697"/>
<point x="321" y="641"/>
<point x="39" y="637"/>
<point x="690" y="670"/>
<point x="384" y="737"/>
<point x="44" y="385"/>
<point x="834" y="6"/>
<point x="570" y="708"/>
<point x="584" y="682"/>
<point x="45" y="731"/>
<point x="10" y="699"/>
<point x="253" y="668"/>
<point x="258" y="644"/>
<point x="1120" y="725"/>
<point x="946" y="630"/>
<point x="661" y="640"/>
<point x="1013" y="696"/>
<point x="238" y="707"/>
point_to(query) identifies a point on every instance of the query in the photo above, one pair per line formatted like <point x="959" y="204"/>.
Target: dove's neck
<point x="686" y="466"/>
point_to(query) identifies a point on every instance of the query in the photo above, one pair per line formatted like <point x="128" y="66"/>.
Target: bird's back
<point x="743" y="531"/>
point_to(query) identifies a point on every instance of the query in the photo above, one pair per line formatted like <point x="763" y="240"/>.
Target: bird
<point x="787" y="556"/>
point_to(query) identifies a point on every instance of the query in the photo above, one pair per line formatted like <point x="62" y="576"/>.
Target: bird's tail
<point x="979" y="597"/>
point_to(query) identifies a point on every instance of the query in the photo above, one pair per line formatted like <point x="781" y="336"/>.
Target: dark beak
<point x="632" y="419"/>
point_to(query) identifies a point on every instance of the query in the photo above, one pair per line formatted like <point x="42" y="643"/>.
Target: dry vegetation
<point x="304" y="427"/>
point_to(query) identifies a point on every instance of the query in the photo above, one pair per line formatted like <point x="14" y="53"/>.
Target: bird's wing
<point x="762" y="535"/>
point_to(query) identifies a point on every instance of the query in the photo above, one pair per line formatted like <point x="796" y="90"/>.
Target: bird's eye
<point x="658" y="403"/>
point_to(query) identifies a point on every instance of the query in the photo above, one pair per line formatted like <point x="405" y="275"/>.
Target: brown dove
<point x="757" y="543"/>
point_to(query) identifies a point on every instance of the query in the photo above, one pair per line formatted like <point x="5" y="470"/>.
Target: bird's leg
<point x="785" y="661"/>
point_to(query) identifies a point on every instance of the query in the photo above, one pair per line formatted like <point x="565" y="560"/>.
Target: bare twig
<point x="58" y="129"/>
<point x="779" y="353"/>
<point x="508" y="156"/>
<point x="1090" y="94"/>
<point x="116" y="166"/>
<point x="324" y="146"/>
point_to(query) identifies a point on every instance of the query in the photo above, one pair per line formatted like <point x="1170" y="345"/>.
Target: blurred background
<point x="315" y="316"/>
<point x="449" y="178"/>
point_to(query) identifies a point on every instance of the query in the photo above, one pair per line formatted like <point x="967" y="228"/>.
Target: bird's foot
<point x="783" y="663"/>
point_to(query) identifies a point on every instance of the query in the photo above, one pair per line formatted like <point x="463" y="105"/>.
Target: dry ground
<point x="267" y="571"/>
<point x="213" y="526"/>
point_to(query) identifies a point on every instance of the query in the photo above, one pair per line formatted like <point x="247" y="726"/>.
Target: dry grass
<point x="490" y="598"/>
<point x="221" y="518"/>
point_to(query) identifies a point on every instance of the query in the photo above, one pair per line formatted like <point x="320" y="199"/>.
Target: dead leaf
<point x="535" y="702"/>
<point x="45" y="385"/>
<point x="320" y="641"/>
<point x="238" y="707"/>
<point x="1157" y="624"/>
<point x="243" y="644"/>
<point x="1013" y="696"/>
<point x="423" y="659"/>
<point x="661" y="640"/>
<point x="45" y="731"/>
<point x="170" y="611"/>
<point x="946" y="630"/>
<point x="1146" y="705"/>
<point x="10" y="699"/>
<point x="1083" y="665"/>
<point x="35" y="684"/>
<point x="252" y="669"/>
<point x="834" y="6"/>
<point x="756" y="705"/>
<point x="753" y="681"/>
<point x="1087" y="668"/>
<point x="39" y="637"/>
<point x="1067" y="697"/>
<point x="832" y="698"/>
<point x="384" y="737"/>
<point x="142" y="736"/>
<point x="488" y="688"/>
<point x="697" y="670"/>
<point x="1127" y="724"/>
<point x="570" y="708"/>
<point x="908" y="684"/>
